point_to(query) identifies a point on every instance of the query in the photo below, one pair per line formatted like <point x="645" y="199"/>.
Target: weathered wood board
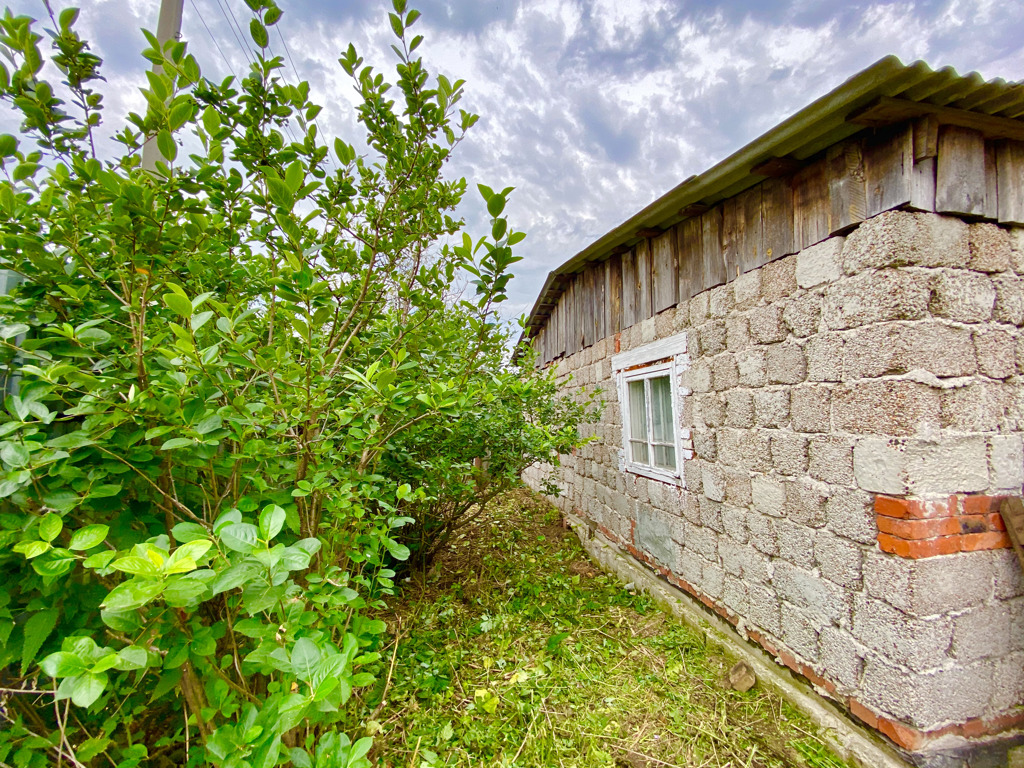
<point x="960" y="186"/>
<point x="1010" y="174"/>
<point x="664" y="274"/>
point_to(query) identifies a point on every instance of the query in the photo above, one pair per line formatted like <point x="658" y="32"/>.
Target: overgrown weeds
<point x="515" y="650"/>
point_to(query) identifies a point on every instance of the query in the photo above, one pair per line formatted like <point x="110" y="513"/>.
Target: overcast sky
<point x="590" y="110"/>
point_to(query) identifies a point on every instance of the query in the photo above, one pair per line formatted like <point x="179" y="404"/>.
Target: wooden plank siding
<point x="917" y="165"/>
<point x="664" y="271"/>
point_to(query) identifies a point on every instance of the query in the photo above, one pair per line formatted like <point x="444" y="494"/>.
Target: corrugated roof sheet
<point x="817" y="126"/>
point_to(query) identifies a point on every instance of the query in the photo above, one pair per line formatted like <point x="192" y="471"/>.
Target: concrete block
<point x="822" y="601"/>
<point x="996" y="353"/>
<point x="947" y="466"/>
<point x="799" y="633"/>
<point x="755" y="450"/>
<point x="901" y="238"/>
<point x="771" y="407"/>
<point x="713" y="481"/>
<point x="796" y="543"/>
<point x="930" y="586"/>
<point x="746" y="289"/>
<point x="786" y="364"/>
<point x="1006" y="463"/>
<point x="809" y="408"/>
<point x="982" y="632"/>
<point x="1017" y="249"/>
<point x="824" y="354"/>
<point x="801" y="315"/>
<point x="1009" y="578"/>
<point x="730" y="446"/>
<point x="711" y="514"/>
<point x="710" y="410"/>
<point x="752" y="365"/>
<point x="981" y="406"/>
<point x="805" y="502"/>
<point x="698" y="309"/>
<point x="851" y="514"/>
<point x="712" y="337"/>
<point x="778" y="278"/>
<point x="720" y="301"/>
<point x="739" y="408"/>
<point x="831" y="459"/>
<point x="899" y="347"/>
<point x="962" y="295"/>
<point x="689" y="505"/>
<point x="664" y="323"/>
<point x="919" y="644"/>
<point x="648" y="330"/>
<point x="990" y="248"/>
<point x="789" y="453"/>
<point x="737" y="487"/>
<point x="1007" y="683"/>
<point x="766" y="325"/>
<point x="731" y="554"/>
<point x="756" y="565"/>
<point x="734" y="596"/>
<point x="712" y="581"/>
<point x="821" y="263"/>
<point x="763" y="609"/>
<point x="926" y="701"/>
<point x="734" y="520"/>
<point x="703" y="541"/>
<point x="839" y="560"/>
<point x="1009" y="306"/>
<point x="761" y="533"/>
<point x="889" y="407"/>
<point x="704" y="444"/>
<point x="725" y="374"/>
<point x="842" y="658"/>
<point x="769" y="495"/>
<point x="697" y="378"/>
<point x="737" y="333"/>
<point x="874" y="297"/>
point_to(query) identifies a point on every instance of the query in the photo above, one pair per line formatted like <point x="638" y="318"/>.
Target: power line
<point x="240" y="40"/>
<point x="214" y="39"/>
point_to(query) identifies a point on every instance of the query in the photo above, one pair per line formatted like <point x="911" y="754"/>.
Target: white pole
<point x="168" y="28"/>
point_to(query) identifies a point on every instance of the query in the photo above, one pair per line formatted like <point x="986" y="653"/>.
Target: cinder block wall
<point x="856" y="413"/>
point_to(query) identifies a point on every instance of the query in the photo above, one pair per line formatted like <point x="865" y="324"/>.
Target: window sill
<point x="653" y="474"/>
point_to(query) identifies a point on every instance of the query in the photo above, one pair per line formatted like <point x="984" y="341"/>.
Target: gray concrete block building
<point x="812" y="360"/>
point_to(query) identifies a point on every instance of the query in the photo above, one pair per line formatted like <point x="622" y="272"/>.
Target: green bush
<point x="244" y="385"/>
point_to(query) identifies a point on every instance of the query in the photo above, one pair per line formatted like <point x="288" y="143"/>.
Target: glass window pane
<point x="639" y="452"/>
<point x="661" y="410"/>
<point x="665" y="457"/>
<point x="637" y="411"/>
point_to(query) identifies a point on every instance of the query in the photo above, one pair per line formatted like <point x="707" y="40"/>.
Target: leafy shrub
<point x="232" y="379"/>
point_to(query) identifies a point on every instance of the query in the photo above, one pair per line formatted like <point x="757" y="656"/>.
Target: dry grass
<point x="515" y="650"/>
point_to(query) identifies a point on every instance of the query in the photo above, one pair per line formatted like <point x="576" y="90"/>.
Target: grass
<point x="514" y="650"/>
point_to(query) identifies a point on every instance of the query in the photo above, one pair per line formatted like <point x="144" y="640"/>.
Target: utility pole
<point x="168" y="28"/>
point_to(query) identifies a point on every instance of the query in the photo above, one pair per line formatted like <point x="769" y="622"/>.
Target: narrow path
<point x="515" y="650"/>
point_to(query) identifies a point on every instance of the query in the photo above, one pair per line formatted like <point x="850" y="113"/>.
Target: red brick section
<point x="916" y="528"/>
<point x="904" y="735"/>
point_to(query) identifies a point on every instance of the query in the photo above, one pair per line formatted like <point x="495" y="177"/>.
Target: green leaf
<point x="50" y="527"/>
<point x="280" y="193"/>
<point x="396" y="24"/>
<point x="177" y="442"/>
<point x="271" y="522"/>
<point x="137" y="566"/>
<point x="88" y="688"/>
<point x="178" y="304"/>
<point x="38" y="627"/>
<point x="67" y="18"/>
<point x="272" y="16"/>
<point x="132" y="657"/>
<point x="10" y="331"/>
<point x="495" y="205"/>
<point x="100" y="560"/>
<point x="88" y="537"/>
<point x="167" y="146"/>
<point x="63" y="664"/>
<point x="8" y="146"/>
<point x="90" y="748"/>
<point x="305" y="658"/>
<point x="133" y="593"/>
<point x="259" y="33"/>
<point x="398" y="551"/>
<point x="239" y="537"/>
<point x="185" y="532"/>
<point x="32" y="549"/>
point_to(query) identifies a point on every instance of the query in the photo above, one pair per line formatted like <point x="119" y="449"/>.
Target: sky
<point x="591" y="109"/>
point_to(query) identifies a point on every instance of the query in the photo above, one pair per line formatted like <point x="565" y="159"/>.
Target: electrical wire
<point x="214" y="39"/>
<point x="240" y="40"/>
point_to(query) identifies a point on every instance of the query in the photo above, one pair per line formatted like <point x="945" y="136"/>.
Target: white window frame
<point x="659" y="358"/>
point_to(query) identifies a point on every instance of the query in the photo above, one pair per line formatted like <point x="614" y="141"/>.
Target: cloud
<point x="590" y="108"/>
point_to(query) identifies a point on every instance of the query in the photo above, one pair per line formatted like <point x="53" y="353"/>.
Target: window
<point x="654" y="443"/>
